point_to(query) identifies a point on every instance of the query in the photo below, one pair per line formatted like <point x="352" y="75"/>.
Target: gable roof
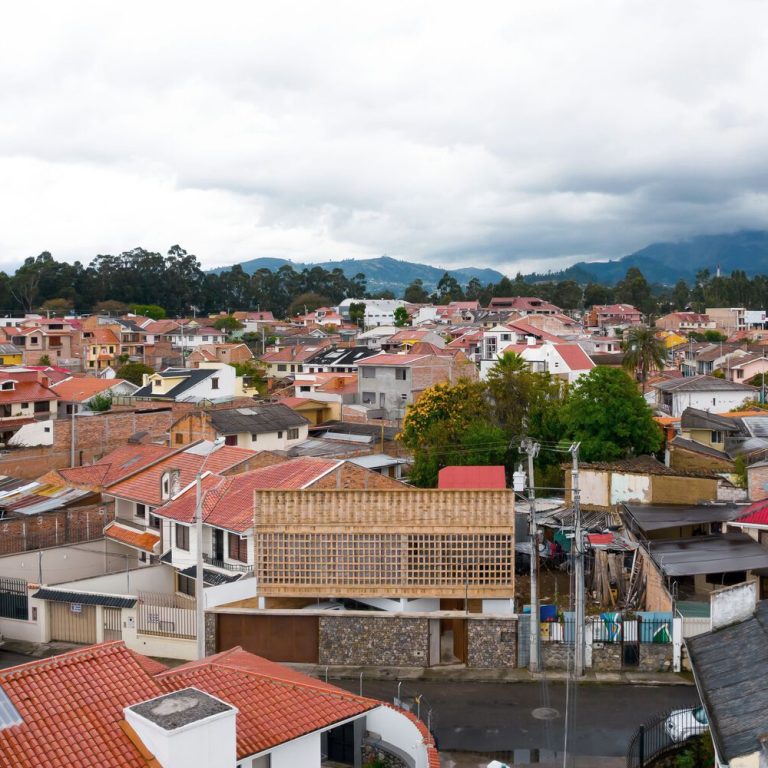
<point x="189" y="378"/>
<point x="256" y="419"/>
<point x="341" y="356"/>
<point x="730" y="666"/>
<point x="274" y="706"/>
<point x="144" y="486"/>
<point x="701" y="384"/>
<point x="574" y="357"/>
<point x="228" y="501"/>
<point x="81" y="389"/>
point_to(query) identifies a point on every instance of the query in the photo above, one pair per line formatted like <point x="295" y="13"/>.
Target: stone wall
<point x="608" y="658"/>
<point x="210" y="634"/>
<point x="556" y="656"/>
<point x="374" y="641"/>
<point x="655" y="658"/>
<point x="377" y="755"/>
<point x="492" y="643"/>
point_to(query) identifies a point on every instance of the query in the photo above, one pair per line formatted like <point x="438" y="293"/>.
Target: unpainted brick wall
<point x="350" y="476"/>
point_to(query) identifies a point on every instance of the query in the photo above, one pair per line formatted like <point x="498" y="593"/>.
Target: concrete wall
<point x="731" y="604"/>
<point x="63" y="564"/>
<point x="397" y="729"/>
<point x="656" y="596"/>
<point x="594" y="487"/>
<point x="304" y="752"/>
<point x="629" y="488"/>
<point x="668" y="489"/>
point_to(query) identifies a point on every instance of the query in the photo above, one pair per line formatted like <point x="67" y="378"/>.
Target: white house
<point x="564" y="361"/>
<point x="377" y="311"/>
<point x="211" y="381"/>
<point x="707" y="393"/>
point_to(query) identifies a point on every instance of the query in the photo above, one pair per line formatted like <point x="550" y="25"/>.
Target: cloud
<point x="515" y="135"/>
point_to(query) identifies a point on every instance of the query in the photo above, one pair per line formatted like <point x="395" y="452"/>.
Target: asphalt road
<point x="499" y="720"/>
<point x="8" y="659"/>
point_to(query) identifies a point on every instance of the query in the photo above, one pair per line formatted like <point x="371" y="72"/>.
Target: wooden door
<point x="278" y="638"/>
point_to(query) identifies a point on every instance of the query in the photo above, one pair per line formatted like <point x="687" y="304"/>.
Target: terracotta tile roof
<point x="575" y="357"/>
<point x="294" y="354"/>
<point x="273" y="709"/>
<point x="228" y="501"/>
<point x="82" y="389"/>
<point x="145" y="485"/>
<point x="471" y="477"/>
<point x="116" y="465"/>
<point x="71" y="706"/>
<point x="26" y="392"/>
<point x="143" y="540"/>
<point x="102" y="336"/>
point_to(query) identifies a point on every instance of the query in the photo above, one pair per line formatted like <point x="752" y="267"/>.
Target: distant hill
<point x="382" y="273"/>
<point x="667" y="263"/>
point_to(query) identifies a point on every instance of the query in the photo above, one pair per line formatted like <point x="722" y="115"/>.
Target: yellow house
<point x="671" y="339"/>
<point x="10" y="354"/>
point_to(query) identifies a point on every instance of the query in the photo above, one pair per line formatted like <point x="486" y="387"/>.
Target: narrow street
<point x="515" y="723"/>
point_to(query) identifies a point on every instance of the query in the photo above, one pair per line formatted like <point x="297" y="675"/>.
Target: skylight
<point x="9" y="715"/>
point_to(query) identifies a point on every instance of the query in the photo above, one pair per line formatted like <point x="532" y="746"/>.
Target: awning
<point x="659" y="517"/>
<point x="708" y="554"/>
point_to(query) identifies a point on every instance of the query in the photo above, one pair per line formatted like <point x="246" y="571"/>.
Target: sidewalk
<point x="460" y="674"/>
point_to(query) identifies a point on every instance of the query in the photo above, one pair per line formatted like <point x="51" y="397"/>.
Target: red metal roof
<point x="575" y="357"/>
<point x="755" y="514"/>
<point x="474" y="478"/>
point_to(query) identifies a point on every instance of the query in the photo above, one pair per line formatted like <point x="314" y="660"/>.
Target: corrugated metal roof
<point x="211" y="578"/>
<point x="659" y="517"/>
<point x="85" y="598"/>
<point x="709" y="554"/>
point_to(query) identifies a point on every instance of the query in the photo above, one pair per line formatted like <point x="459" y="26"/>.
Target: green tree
<point x="101" y="402"/>
<point x="308" y="302"/>
<point x="57" y="306"/>
<point x="152" y="311"/>
<point x="634" y="290"/>
<point x="680" y="295"/>
<point x="415" y="293"/>
<point x="643" y="352"/>
<point x="606" y="413"/>
<point x="401" y="317"/>
<point x="44" y="360"/>
<point x="595" y="293"/>
<point x="134" y="372"/>
<point x="227" y="324"/>
<point x="357" y="313"/>
<point x="448" y="289"/>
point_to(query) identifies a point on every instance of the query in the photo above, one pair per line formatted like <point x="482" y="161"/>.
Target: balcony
<point x="238" y="568"/>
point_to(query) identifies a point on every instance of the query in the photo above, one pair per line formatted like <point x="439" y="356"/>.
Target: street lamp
<point x="199" y="580"/>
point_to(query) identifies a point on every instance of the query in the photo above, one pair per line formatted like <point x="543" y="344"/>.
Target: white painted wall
<point x="62" y="564"/>
<point x="304" y="752"/>
<point x="594" y="487"/>
<point x="151" y="578"/>
<point x="229" y="593"/>
<point x="731" y="604"/>
<point x="499" y="606"/>
<point x="210" y="743"/>
<point x="396" y="729"/>
<point x="272" y="441"/>
<point x="629" y="488"/>
<point x="716" y="402"/>
<point x="30" y="435"/>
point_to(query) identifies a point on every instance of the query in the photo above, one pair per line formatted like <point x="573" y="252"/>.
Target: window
<point x="214" y="383"/>
<point x="25" y="405"/>
<point x="369" y="398"/>
<point x="282" y="367"/>
<point x="740" y="373"/>
<point x="238" y="548"/>
<point x="369" y="372"/>
<point x="506" y="336"/>
<point x="280" y="435"/>
<point x="185" y="585"/>
<point x="305" y="389"/>
<point x="155" y="522"/>
<point x="182" y="537"/>
<point x="141" y="510"/>
<point x="253" y="438"/>
<point x="165" y="486"/>
<point x="293" y="434"/>
<point x="401" y="374"/>
<point x="8" y="385"/>
<point x="178" y="438"/>
<point x="404" y="398"/>
<point x="205" y="338"/>
<point x="156" y="383"/>
<point x="717" y="436"/>
<point x="230" y="440"/>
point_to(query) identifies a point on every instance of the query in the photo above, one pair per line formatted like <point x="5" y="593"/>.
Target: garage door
<point x="278" y="638"/>
<point x="73" y="622"/>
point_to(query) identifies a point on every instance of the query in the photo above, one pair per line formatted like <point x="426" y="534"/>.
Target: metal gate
<point x="112" y="624"/>
<point x="14" y="603"/>
<point x="73" y="622"/>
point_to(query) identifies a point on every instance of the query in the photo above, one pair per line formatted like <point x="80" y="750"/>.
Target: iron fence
<point x="663" y="734"/>
<point x="14" y="599"/>
<point x="611" y="628"/>
<point x="167" y="615"/>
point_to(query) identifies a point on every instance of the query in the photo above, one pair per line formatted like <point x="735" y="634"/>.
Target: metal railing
<point x="225" y="566"/>
<point x="607" y="630"/>
<point x="167" y="615"/>
<point x="14" y="599"/>
<point x="663" y="734"/>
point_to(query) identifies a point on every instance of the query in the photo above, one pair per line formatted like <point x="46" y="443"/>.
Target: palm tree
<point x="643" y="352"/>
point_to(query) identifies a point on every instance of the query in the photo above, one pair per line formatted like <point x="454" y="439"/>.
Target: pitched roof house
<point x="106" y="706"/>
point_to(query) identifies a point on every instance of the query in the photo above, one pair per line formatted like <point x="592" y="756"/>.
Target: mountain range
<point x="383" y="273"/>
<point x="663" y="263"/>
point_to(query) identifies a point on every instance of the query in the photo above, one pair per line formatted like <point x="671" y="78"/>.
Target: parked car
<point x="684" y="723"/>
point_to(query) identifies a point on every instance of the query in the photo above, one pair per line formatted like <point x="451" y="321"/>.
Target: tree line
<point x="176" y="282"/>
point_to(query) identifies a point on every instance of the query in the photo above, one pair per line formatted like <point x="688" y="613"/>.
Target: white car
<point x="684" y="723"/>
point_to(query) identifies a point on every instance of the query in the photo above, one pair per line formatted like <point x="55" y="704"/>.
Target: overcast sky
<point x="518" y="134"/>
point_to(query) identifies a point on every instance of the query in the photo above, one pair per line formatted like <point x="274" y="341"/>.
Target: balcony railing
<point x="239" y="568"/>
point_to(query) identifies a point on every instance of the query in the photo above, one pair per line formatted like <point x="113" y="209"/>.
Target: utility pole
<point x="578" y="552"/>
<point x="531" y="448"/>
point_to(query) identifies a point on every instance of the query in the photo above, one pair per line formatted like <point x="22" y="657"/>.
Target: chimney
<point x="186" y="728"/>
